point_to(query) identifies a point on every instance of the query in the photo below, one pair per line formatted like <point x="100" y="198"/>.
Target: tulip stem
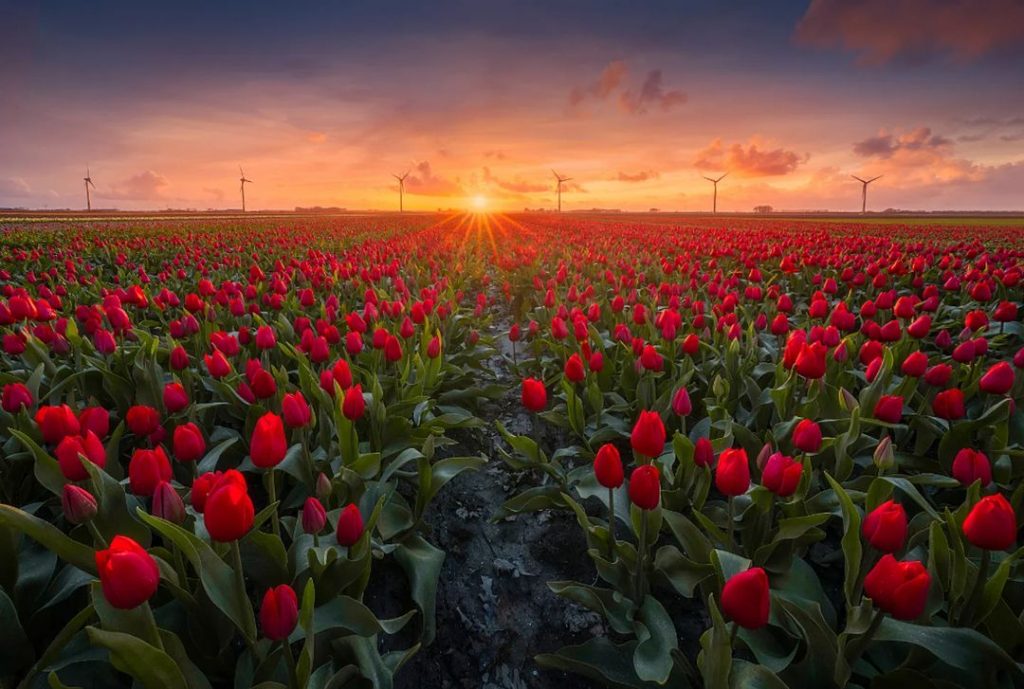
<point x="275" y="522"/>
<point x="97" y="536"/>
<point x="641" y="556"/>
<point x="150" y="625"/>
<point x="611" y="523"/>
<point x="289" y="660"/>
<point x="979" y="586"/>
<point x="732" y="524"/>
<point x="236" y="564"/>
<point x="733" y="632"/>
<point x="860" y="644"/>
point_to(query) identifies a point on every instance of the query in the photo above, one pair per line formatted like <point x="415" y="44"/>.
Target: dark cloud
<point x="651" y="93"/>
<point x="750" y="160"/>
<point x="880" y="31"/>
<point x="885" y="144"/>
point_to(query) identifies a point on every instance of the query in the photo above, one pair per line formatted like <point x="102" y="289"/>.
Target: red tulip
<point x="681" y="405"/>
<point x="15" y="397"/>
<point x="167" y="504"/>
<point x="889" y="408"/>
<point x="645" y="486"/>
<point x="268" y="444"/>
<point x="217" y="364"/>
<point x="142" y="420"/>
<point x="314" y="516"/>
<point x="746" y="598"/>
<point x="434" y="347"/>
<point x="179" y="358"/>
<point x="188" y="443"/>
<point x="998" y="379"/>
<point x="392" y="349"/>
<point x="175" y="398"/>
<point x="732" y="475"/>
<point x="279" y="612"/>
<point x="970" y="466"/>
<point x="807" y="436"/>
<point x="915" y="365"/>
<point x="146" y="469"/>
<point x="129" y="576"/>
<point x="72" y="448"/>
<point x="938" y="375"/>
<point x="898" y="588"/>
<point x="949" y="405"/>
<point x="228" y="509"/>
<point x="295" y="410"/>
<point x="781" y="475"/>
<point x="885" y="527"/>
<point x="608" y="466"/>
<point x="350" y="526"/>
<point x="574" y="369"/>
<point x="703" y="453"/>
<point x="648" y="436"/>
<point x="991" y="524"/>
<point x="56" y="422"/>
<point x="95" y="419"/>
<point x="354" y="405"/>
<point x="810" y="363"/>
<point x="534" y="396"/>
<point x="201" y="487"/>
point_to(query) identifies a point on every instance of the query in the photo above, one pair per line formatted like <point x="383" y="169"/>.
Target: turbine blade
<point x="874" y="178"/>
<point x="858" y="179"/>
<point x="723" y="176"/>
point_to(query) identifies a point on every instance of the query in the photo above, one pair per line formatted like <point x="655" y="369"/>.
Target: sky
<point x="322" y="102"/>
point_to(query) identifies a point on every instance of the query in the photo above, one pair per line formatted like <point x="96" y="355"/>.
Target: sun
<point x="479" y="202"/>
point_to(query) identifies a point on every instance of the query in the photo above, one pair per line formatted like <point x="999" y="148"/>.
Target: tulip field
<point x="510" y="452"/>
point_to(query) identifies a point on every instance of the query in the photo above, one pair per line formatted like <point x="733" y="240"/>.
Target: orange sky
<point x="791" y="100"/>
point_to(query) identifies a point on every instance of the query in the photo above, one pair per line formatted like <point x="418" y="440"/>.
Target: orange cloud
<point x="611" y="77"/>
<point x="879" y="31"/>
<point x="916" y="157"/>
<point x="425" y="182"/>
<point x="144" y="186"/>
<point x="641" y="176"/>
<point x="885" y="144"/>
<point x="516" y="185"/>
<point x="750" y="160"/>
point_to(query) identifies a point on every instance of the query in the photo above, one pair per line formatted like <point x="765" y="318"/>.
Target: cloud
<point x="641" y="176"/>
<point x="650" y="94"/>
<point x="15" y="187"/>
<point x="916" y="157"/>
<point x="496" y="154"/>
<point x="425" y="182"/>
<point x="516" y="185"/>
<point x="611" y="77"/>
<point x="880" y="31"/>
<point x="885" y="144"/>
<point x="750" y="160"/>
<point x="144" y="186"/>
<point x="217" y="194"/>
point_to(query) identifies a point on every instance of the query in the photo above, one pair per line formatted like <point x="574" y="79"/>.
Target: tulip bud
<point x="703" y="453"/>
<point x="534" y="396"/>
<point x="885" y="527"/>
<point x="681" y="404"/>
<point x="732" y="475"/>
<point x="746" y="599"/>
<point x="353" y="406"/>
<point x="884" y="457"/>
<point x="268" y="444"/>
<point x="167" y="504"/>
<point x="350" y="526"/>
<point x="645" y="487"/>
<point x="314" y="516"/>
<point x="279" y="612"/>
<point x="228" y="509"/>
<point x="648" y="436"/>
<point x="763" y="455"/>
<point x="323" y="487"/>
<point x="807" y="436"/>
<point x="970" y="466"/>
<point x="608" y="466"/>
<point x="78" y="504"/>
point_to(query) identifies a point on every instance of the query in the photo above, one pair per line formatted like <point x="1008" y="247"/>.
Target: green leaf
<point x="610" y="604"/>
<point x="46" y="468"/>
<point x="656" y="636"/>
<point x="216" y="576"/>
<point x="152" y="667"/>
<point x="422" y="564"/>
<point x="51" y="537"/>
<point x="746" y="675"/>
<point x="600" y="660"/>
<point x="715" y="658"/>
<point x="851" y="544"/>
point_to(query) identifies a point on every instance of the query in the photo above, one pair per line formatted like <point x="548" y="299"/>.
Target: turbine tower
<point x="401" y="190"/>
<point x="243" y="180"/>
<point x="864" y="191"/>
<point x="88" y="183"/>
<point x="714" y="201"/>
<point x="559" y="186"/>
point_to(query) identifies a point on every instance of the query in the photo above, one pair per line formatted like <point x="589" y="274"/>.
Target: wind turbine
<point x="401" y="190"/>
<point x="88" y="183"/>
<point x="559" y="185"/>
<point x="714" y="202"/>
<point x="864" y="191"/>
<point x="243" y="180"/>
